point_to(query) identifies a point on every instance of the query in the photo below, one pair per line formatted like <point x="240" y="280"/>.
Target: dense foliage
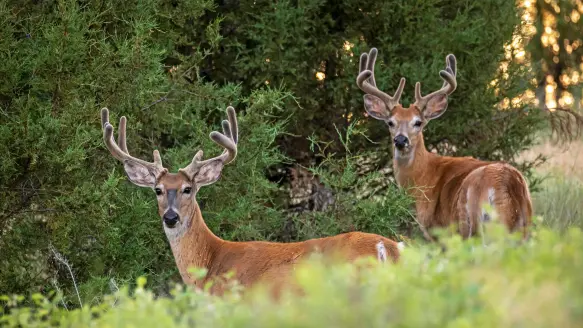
<point x="62" y="191"/>
<point x="485" y="283"/>
<point x="292" y="43"/>
<point x="172" y="67"/>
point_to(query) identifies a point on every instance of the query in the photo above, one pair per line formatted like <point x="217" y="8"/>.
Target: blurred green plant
<point x="495" y="284"/>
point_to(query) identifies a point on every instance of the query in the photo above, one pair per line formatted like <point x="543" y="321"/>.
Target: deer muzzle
<point x="401" y="142"/>
<point x="171" y="218"/>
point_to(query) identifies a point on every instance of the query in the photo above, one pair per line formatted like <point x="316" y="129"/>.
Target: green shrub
<point x="68" y="217"/>
<point x="499" y="284"/>
<point x="385" y="211"/>
<point x="63" y="191"/>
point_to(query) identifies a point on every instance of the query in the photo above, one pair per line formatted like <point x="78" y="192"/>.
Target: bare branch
<point x="61" y="259"/>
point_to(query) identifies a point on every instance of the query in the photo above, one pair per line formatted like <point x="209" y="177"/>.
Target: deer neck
<point x="409" y="170"/>
<point x="194" y="245"/>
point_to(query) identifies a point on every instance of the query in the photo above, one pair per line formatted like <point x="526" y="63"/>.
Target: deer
<point x="448" y="191"/>
<point x="194" y="245"/>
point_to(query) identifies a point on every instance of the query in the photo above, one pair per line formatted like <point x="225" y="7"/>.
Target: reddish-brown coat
<point x="441" y="185"/>
<point x="259" y="261"/>
<point x="447" y="190"/>
<point x="194" y="245"/>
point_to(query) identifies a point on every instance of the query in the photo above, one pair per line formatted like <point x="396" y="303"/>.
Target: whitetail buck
<point x="447" y="190"/>
<point x="194" y="245"/>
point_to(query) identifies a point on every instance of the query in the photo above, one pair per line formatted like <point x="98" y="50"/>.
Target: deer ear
<point x="139" y="174"/>
<point x="209" y="173"/>
<point x="376" y="108"/>
<point x="435" y="107"/>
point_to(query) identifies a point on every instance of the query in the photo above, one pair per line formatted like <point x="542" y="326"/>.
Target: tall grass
<point x="559" y="199"/>
<point x="560" y="202"/>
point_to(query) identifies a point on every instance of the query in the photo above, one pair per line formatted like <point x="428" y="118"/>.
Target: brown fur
<point x="447" y="190"/>
<point x="440" y="185"/>
<point x="194" y="245"/>
<point x="255" y="261"/>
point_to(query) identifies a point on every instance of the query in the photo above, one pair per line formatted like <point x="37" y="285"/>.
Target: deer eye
<point x="187" y="190"/>
<point x="391" y="124"/>
<point x="158" y="191"/>
<point x="417" y="124"/>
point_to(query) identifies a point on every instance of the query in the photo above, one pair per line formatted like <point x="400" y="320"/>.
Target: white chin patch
<point x="404" y="157"/>
<point x="174" y="232"/>
<point x="404" y="153"/>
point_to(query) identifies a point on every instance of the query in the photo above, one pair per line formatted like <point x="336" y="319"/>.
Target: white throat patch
<point x="175" y="233"/>
<point x="404" y="159"/>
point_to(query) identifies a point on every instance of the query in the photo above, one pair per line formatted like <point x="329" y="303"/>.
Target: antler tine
<point x="451" y="63"/>
<point x="449" y="83"/>
<point x="121" y="135"/>
<point x="363" y="62"/>
<point x="234" y="125"/>
<point x="228" y="140"/>
<point x="119" y="150"/>
<point x="226" y="128"/>
<point x="367" y="61"/>
<point x="366" y="81"/>
<point x="372" y="58"/>
<point x="450" y="67"/>
<point x="230" y="151"/>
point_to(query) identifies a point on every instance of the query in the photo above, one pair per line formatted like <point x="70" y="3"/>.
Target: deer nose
<point x="401" y="141"/>
<point x="170" y="218"/>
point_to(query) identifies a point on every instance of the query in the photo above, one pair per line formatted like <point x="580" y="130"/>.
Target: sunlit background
<point x="549" y="40"/>
<point x="551" y="29"/>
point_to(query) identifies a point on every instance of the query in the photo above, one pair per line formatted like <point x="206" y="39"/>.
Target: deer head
<point x="405" y="124"/>
<point x="175" y="192"/>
